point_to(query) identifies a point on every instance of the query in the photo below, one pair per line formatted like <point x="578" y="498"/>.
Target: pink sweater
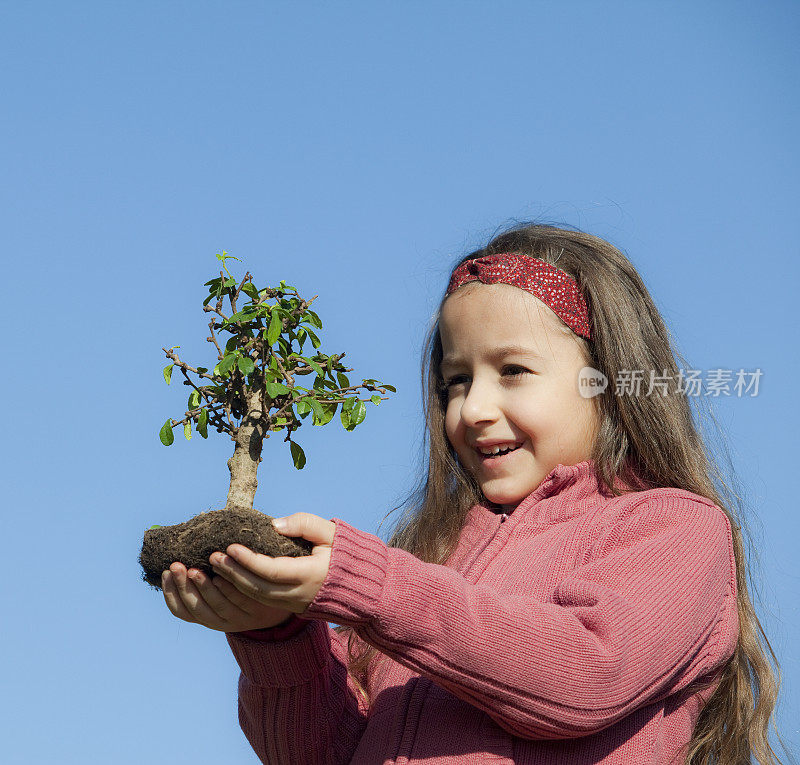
<point x="566" y="632"/>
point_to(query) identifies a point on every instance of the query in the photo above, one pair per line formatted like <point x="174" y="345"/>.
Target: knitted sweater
<point x="570" y="631"/>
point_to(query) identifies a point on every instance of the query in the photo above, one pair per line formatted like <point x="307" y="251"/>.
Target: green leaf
<point x="316" y="367"/>
<point x="344" y="381"/>
<point x="303" y="408"/>
<point x="227" y="362"/>
<point x="155" y="526"/>
<point x="275" y="327"/>
<point x="358" y="414"/>
<point x="165" y="434"/>
<point x="225" y="257"/>
<point x="302" y="336"/>
<point x="347" y="408"/>
<point x="194" y="400"/>
<point x="273" y="375"/>
<point x="168" y="373"/>
<point x="328" y="411"/>
<point x="247" y="314"/>
<point x="318" y="409"/>
<point x="389" y="387"/>
<point x="202" y="423"/>
<point x="275" y="389"/>
<point x="312" y="319"/>
<point x="250" y="290"/>
<point x="246" y="365"/>
<point x="284" y="347"/>
<point x="314" y="339"/>
<point x="298" y="456"/>
<point x="202" y="370"/>
<point x="376" y="399"/>
<point x="187" y="430"/>
<point x="353" y="413"/>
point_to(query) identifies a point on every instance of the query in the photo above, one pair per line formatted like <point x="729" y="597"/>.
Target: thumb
<point x="308" y="526"/>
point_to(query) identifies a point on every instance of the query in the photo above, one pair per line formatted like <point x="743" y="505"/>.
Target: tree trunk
<point x="246" y="455"/>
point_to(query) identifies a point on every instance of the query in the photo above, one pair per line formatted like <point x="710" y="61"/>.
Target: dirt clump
<point x="193" y="541"/>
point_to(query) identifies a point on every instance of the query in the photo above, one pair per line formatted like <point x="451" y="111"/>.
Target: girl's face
<point x="511" y="371"/>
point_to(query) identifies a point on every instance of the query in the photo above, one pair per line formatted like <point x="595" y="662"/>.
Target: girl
<point x="568" y="586"/>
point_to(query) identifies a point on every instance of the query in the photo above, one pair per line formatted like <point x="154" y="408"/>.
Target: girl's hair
<point x="648" y="441"/>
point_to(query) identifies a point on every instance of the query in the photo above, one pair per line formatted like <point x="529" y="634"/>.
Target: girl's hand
<point x="215" y="603"/>
<point x="281" y="584"/>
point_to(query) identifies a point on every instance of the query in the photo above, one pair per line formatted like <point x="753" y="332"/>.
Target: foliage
<point x="260" y="362"/>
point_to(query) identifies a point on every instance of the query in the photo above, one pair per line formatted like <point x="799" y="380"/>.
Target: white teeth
<point x="488" y="451"/>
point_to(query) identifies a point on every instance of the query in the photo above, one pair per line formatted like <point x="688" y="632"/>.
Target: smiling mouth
<point x="499" y="453"/>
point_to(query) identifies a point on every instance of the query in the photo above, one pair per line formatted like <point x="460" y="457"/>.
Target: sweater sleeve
<point x="296" y="701"/>
<point x="653" y="608"/>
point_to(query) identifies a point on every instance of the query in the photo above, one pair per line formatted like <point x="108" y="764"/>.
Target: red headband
<point x="551" y="285"/>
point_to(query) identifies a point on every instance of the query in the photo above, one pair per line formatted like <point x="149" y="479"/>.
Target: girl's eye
<point x="450" y="381"/>
<point x="509" y="371"/>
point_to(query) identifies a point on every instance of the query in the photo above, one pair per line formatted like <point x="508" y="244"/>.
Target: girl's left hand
<point x="284" y="582"/>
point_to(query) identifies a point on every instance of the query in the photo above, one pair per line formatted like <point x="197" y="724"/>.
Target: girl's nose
<point x="480" y="405"/>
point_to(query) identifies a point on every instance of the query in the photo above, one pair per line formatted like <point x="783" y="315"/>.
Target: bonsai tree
<point x="253" y="391"/>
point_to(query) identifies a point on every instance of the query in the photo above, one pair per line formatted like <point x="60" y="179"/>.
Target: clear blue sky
<point x="354" y="149"/>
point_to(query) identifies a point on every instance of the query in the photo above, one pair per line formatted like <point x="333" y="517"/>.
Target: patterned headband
<point x="551" y="285"/>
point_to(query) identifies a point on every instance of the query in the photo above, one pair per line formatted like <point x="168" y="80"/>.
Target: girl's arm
<point x="296" y="702"/>
<point x="652" y="611"/>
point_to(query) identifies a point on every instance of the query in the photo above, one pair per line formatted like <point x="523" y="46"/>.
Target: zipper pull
<point x="503" y="517"/>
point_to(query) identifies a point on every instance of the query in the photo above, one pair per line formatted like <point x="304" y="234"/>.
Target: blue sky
<point x="355" y="150"/>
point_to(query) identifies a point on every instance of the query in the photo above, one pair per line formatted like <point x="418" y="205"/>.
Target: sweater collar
<point x="568" y="489"/>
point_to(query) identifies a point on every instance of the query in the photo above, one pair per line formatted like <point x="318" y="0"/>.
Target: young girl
<point x="570" y="586"/>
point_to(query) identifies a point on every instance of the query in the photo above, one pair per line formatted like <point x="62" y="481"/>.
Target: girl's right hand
<point x="217" y="604"/>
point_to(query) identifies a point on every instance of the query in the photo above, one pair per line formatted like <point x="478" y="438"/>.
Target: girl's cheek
<point x="451" y="418"/>
<point x="452" y="427"/>
<point x="451" y="433"/>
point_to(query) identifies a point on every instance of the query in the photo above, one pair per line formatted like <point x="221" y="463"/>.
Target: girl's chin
<point x="511" y="499"/>
<point x="510" y="495"/>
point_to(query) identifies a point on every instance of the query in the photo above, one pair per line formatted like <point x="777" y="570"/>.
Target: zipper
<point x="422" y="684"/>
<point x="503" y="519"/>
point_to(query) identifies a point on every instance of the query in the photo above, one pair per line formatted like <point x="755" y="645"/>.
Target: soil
<point x="193" y="541"/>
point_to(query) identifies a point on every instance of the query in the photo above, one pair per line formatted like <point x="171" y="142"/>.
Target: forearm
<point x="296" y="702"/>
<point x="654" y="609"/>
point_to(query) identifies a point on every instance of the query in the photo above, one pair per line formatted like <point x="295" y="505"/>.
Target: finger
<point x="283" y="570"/>
<point x="239" y="599"/>
<point x="192" y="599"/>
<point x="251" y="584"/>
<point x="221" y="605"/>
<point x="174" y="603"/>
<point x="308" y="526"/>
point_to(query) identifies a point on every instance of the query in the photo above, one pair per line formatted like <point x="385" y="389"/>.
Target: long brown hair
<point x="647" y="441"/>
